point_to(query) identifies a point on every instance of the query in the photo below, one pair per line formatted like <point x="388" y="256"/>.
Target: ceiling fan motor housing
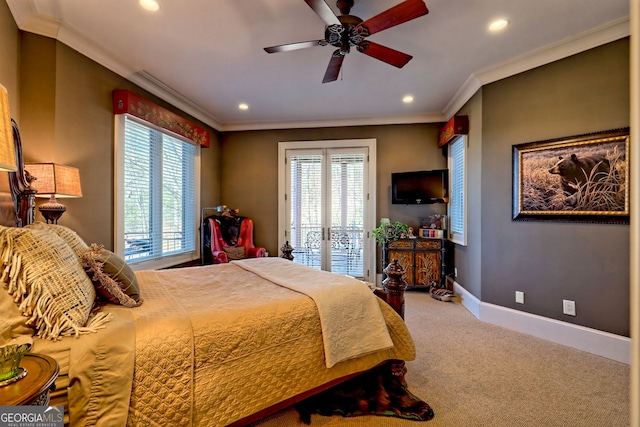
<point x="348" y="34"/>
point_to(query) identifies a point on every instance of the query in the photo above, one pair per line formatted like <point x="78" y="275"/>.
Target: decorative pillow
<point x="234" y="253"/>
<point x="46" y="280"/>
<point x="112" y="276"/>
<point x="68" y="235"/>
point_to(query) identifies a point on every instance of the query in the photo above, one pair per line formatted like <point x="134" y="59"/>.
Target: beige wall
<point x="9" y="52"/>
<point x="66" y="117"/>
<point x="250" y="173"/>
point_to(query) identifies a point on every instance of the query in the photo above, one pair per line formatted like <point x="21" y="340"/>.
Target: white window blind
<point x="159" y="193"/>
<point x="326" y="203"/>
<point x="457" y="197"/>
<point x="306" y="202"/>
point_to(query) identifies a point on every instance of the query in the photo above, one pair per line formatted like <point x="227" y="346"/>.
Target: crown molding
<point x="590" y="39"/>
<point x="29" y="19"/>
<point x="354" y="121"/>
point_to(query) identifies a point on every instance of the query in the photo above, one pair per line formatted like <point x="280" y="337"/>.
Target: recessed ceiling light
<point x="408" y="99"/>
<point x="151" y="5"/>
<point x="243" y="106"/>
<point x="498" y="25"/>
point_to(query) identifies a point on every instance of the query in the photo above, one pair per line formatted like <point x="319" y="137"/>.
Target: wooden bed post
<point x="394" y="287"/>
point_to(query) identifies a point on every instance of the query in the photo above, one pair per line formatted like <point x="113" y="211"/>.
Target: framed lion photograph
<point x="582" y="178"/>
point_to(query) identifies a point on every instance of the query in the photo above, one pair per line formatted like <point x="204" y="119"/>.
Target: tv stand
<point x="423" y="260"/>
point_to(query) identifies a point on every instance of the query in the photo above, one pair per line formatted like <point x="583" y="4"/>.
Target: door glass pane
<point x="305" y="202"/>
<point x="347" y="214"/>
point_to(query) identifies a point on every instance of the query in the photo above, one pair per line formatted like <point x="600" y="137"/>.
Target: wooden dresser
<point x="423" y="260"/>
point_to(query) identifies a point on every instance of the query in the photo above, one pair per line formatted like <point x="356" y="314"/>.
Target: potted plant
<point x="387" y="231"/>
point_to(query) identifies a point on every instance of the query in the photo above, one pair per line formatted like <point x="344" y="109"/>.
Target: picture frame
<point x="581" y="178"/>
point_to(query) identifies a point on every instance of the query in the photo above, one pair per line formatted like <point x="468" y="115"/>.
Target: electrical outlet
<point x="569" y="307"/>
<point x="455" y="271"/>
<point x="520" y="297"/>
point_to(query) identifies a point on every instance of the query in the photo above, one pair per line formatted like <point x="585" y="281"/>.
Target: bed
<point x="210" y="345"/>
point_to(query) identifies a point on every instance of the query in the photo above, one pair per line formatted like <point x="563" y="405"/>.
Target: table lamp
<point x="54" y="180"/>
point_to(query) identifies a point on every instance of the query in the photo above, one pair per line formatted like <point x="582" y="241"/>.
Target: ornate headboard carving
<point x="17" y="198"/>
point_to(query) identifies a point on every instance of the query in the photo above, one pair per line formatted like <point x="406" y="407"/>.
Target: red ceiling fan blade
<point x="294" y="46"/>
<point x="323" y="10"/>
<point x="333" y="69"/>
<point x="384" y="54"/>
<point x="403" y="12"/>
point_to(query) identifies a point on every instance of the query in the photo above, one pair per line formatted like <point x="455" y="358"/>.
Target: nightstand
<point x="34" y="388"/>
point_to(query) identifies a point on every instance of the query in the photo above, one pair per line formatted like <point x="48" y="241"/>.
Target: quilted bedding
<point x="213" y="345"/>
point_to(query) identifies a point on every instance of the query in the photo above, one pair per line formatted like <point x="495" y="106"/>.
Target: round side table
<point x="34" y="388"/>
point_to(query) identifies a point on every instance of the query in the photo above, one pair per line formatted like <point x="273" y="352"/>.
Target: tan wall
<point x="66" y="117"/>
<point x="250" y="173"/>
<point x="9" y="52"/>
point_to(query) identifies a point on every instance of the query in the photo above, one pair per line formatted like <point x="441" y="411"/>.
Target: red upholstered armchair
<point x="229" y="237"/>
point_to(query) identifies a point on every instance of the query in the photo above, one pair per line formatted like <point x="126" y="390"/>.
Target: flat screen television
<point x="421" y="187"/>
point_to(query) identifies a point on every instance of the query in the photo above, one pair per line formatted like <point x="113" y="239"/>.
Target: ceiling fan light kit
<point x="347" y="31"/>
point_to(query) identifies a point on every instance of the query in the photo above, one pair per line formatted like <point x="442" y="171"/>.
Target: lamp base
<point x="52" y="211"/>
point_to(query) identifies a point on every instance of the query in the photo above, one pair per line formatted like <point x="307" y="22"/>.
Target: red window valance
<point x="125" y="101"/>
<point x="458" y="125"/>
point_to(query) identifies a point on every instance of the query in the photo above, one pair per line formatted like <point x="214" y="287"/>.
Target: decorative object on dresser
<point x="387" y="232"/>
<point x="422" y="260"/>
<point x="286" y="251"/>
<point x="53" y="180"/>
<point x="10" y="357"/>
<point x="433" y="226"/>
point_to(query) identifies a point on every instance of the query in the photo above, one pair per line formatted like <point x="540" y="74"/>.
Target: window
<point x="157" y="172"/>
<point x="458" y="196"/>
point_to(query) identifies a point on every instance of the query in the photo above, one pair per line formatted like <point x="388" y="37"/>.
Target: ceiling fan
<point x="346" y="30"/>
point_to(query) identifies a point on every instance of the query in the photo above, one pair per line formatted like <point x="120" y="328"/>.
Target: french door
<point x="327" y="205"/>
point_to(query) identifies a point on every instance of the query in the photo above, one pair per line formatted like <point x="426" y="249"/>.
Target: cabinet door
<point x="402" y="250"/>
<point x="428" y="259"/>
<point x="427" y="268"/>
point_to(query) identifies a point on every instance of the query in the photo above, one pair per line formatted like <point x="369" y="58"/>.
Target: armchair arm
<point x="245" y="237"/>
<point x="219" y="257"/>
<point x="256" y="252"/>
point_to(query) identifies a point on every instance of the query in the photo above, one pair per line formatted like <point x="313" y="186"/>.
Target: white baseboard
<point x="605" y="344"/>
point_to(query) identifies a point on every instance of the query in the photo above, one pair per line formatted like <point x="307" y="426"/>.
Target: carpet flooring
<point x="476" y="374"/>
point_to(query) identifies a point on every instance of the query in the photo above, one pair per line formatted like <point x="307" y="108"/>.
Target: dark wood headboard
<point x="17" y="198"/>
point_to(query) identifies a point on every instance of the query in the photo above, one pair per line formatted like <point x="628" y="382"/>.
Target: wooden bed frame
<point x="20" y="211"/>
<point x="22" y="208"/>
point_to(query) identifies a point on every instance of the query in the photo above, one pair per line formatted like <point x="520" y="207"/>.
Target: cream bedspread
<point x="213" y="345"/>
<point x="351" y="320"/>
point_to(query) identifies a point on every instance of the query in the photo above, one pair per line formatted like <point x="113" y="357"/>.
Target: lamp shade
<point x="7" y="149"/>
<point x="53" y="180"/>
